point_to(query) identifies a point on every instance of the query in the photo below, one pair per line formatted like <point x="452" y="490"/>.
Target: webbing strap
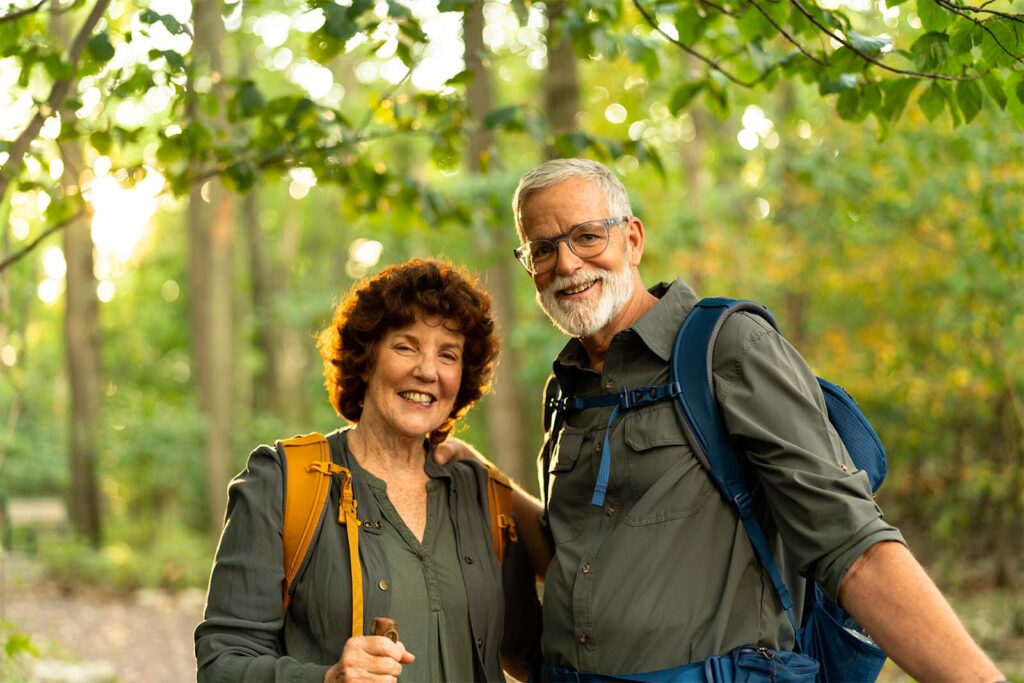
<point x="347" y="517"/>
<point x="626" y="399"/>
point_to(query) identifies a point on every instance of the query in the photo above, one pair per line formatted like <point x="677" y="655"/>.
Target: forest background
<point x="188" y="188"/>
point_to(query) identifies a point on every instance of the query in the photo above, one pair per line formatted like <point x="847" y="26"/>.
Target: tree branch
<point x="58" y="93"/>
<point x="697" y="55"/>
<point x="18" y="14"/>
<point x="18" y="255"/>
<point x="788" y="37"/>
<point x="848" y="45"/>
<point x="983" y="10"/>
<point x="957" y="10"/>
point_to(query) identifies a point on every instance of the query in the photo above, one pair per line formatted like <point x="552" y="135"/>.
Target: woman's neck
<point x="384" y="453"/>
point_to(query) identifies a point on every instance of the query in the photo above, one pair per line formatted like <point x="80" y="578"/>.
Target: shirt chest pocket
<point x="665" y="478"/>
<point x="571" y="482"/>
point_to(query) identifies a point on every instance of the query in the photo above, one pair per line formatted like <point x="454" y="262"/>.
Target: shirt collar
<point x="657" y="328"/>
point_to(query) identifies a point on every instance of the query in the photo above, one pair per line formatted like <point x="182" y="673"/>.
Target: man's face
<point x="579" y="296"/>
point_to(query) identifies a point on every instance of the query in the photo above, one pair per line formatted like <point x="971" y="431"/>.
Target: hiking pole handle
<point x="385" y="626"/>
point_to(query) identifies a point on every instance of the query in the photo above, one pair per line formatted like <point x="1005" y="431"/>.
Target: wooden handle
<point x="384" y="626"/>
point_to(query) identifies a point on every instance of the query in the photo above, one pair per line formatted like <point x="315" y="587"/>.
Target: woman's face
<point x="414" y="379"/>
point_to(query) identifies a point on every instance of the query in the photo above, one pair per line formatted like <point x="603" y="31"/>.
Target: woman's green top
<point x="246" y="635"/>
<point x="428" y="595"/>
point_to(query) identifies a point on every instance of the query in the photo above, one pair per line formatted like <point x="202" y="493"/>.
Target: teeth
<point x="417" y="397"/>
<point x="577" y="289"/>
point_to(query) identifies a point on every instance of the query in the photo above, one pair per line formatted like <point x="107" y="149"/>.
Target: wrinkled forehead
<point x="555" y="207"/>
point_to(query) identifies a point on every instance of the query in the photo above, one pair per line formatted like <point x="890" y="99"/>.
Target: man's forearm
<point x="890" y="595"/>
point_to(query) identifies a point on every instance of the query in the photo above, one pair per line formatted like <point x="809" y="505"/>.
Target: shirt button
<point x="468" y="559"/>
<point x="377" y="524"/>
<point x="610" y="510"/>
<point x="367" y="524"/>
<point x="586" y="568"/>
<point x="479" y="642"/>
<point x="609" y="384"/>
<point x="383" y="584"/>
<point x="584" y="639"/>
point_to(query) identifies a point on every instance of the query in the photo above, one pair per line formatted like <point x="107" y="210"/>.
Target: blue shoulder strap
<point x="691" y="368"/>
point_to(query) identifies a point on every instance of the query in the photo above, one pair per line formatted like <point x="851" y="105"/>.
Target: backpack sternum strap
<point x="625" y="399"/>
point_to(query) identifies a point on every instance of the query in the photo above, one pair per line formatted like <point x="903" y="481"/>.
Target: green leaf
<point x="828" y="85"/>
<point x="398" y="10"/>
<point x="240" y="176"/>
<point x="968" y="96"/>
<point x="931" y="50"/>
<point x="753" y="25"/>
<point x="509" y="118"/>
<point x="1015" y="98"/>
<point x="101" y="141"/>
<point x="933" y="16"/>
<point x="173" y="26"/>
<point x="1001" y="42"/>
<point x="994" y="88"/>
<point x="250" y="99"/>
<point x="683" y="95"/>
<point x="897" y="93"/>
<point x="872" y="46"/>
<point x="871" y="100"/>
<point x="847" y="106"/>
<point x="337" y="24"/>
<point x="464" y="77"/>
<point x="932" y="101"/>
<point x="961" y="36"/>
<point x="689" y="24"/>
<point x="99" y="48"/>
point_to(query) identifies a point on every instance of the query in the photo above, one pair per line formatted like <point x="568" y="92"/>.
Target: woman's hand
<point x="369" y="658"/>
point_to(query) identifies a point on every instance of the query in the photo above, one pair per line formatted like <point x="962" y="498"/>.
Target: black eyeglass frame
<point x="521" y="255"/>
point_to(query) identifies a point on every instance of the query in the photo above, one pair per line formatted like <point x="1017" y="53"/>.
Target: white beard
<point x="583" y="319"/>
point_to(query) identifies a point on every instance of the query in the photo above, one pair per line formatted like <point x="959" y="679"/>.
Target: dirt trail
<point x="92" y="636"/>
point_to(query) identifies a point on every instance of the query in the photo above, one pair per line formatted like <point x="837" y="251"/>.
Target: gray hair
<point x="559" y="170"/>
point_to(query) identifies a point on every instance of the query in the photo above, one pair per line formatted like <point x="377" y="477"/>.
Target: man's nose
<point x="568" y="262"/>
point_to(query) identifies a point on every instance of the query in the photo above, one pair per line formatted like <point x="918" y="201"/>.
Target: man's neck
<point x="597" y="345"/>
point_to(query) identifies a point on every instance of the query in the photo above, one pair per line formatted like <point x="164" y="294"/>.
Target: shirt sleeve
<point x="238" y="639"/>
<point x="821" y="504"/>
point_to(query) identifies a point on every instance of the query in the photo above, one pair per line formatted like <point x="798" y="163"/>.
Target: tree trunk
<point x="211" y="271"/>
<point x="268" y="391"/>
<point x="561" y="87"/>
<point x="505" y="414"/>
<point x="82" y="344"/>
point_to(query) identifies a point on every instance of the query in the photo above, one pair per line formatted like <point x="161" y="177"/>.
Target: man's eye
<point x="542" y="250"/>
<point x="587" y="237"/>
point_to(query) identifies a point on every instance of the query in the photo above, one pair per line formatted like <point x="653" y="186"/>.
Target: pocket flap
<point x="567" y="451"/>
<point x="657" y="425"/>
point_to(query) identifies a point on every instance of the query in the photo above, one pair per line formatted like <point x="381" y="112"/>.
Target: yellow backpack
<point x="308" y="472"/>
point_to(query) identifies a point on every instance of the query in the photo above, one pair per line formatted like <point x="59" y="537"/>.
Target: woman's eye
<point x="450" y="357"/>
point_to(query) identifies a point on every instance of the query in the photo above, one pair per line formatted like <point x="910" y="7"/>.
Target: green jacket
<point x="246" y="636"/>
<point x="664" y="573"/>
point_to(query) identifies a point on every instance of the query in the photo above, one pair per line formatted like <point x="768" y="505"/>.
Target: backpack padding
<point x="308" y="472"/>
<point x="499" y="499"/>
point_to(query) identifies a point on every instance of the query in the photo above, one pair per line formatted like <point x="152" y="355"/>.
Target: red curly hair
<point x="393" y="299"/>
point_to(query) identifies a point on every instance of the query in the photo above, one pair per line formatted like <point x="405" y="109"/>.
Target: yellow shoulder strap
<point x="308" y="472"/>
<point x="503" y="524"/>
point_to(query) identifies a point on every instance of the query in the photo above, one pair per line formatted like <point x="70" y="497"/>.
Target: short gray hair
<point x="559" y="170"/>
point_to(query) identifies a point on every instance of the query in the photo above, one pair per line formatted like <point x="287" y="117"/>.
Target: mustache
<point x="580" y="277"/>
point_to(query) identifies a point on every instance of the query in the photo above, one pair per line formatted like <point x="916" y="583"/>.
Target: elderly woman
<point x="408" y="352"/>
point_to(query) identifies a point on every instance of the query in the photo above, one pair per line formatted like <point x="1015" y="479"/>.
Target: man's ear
<point x="636" y="236"/>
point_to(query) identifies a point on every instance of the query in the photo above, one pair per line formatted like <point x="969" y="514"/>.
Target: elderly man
<point x="662" y="574"/>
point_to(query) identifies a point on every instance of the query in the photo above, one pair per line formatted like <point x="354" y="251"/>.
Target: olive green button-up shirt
<point x="664" y="574"/>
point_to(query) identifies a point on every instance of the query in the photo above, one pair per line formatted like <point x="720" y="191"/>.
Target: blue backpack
<point x="828" y="633"/>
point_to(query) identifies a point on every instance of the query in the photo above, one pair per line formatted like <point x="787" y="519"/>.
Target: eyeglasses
<point x="587" y="240"/>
